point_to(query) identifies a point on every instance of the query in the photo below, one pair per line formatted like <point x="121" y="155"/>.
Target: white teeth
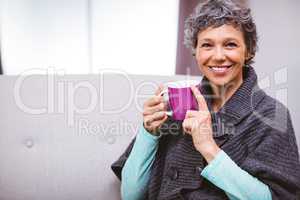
<point x="219" y="69"/>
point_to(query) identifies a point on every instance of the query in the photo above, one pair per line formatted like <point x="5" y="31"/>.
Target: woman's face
<point x="221" y="53"/>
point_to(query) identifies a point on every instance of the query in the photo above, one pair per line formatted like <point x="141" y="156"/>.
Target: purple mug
<point x="180" y="98"/>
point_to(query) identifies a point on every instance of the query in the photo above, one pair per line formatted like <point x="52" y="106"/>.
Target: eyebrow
<point x="210" y="40"/>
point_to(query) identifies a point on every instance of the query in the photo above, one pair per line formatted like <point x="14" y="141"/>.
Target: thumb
<point x="159" y="89"/>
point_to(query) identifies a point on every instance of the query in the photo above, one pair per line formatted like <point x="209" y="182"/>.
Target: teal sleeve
<point x="136" y="171"/>
<point x="234" y="181"/>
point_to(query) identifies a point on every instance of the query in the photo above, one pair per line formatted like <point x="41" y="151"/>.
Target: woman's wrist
<point x="209" y="151"/>
<point x="155" y="133"/>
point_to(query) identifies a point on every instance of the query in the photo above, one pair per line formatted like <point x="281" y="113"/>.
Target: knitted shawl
<point x="254" y="129"/>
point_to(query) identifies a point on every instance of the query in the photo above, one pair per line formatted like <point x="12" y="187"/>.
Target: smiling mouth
<point x="220" y="69"/>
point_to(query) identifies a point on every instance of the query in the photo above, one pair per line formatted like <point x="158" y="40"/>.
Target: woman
<point x="240" y="144"/>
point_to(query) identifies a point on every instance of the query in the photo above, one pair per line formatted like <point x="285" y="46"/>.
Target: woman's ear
<point x="193" y="52"/>
<point x="248" y="56"/>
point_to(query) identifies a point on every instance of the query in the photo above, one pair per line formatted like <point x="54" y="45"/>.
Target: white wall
<point x="84" y="36"/>
<point x="278" y="60"/>
<point x="44" y="33"/>
<point x="139" y="36"/>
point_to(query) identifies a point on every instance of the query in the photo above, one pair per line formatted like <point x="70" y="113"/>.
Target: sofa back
<point x="60" y="134"/>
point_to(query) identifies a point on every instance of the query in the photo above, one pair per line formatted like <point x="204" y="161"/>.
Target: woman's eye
<point x="231" y="44"/>
<point x="206" y="45"/>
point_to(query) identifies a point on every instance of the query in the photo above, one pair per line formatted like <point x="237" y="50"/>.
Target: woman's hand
<point x="154" y="114"/>
<point x="198" y="125"/>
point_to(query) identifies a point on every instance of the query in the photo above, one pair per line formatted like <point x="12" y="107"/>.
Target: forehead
<point x="221" y="33"/>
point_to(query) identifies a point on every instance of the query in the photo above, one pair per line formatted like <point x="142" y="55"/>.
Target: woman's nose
<point x="219" y="54"/>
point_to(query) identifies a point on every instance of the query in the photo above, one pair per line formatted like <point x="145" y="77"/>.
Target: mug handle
<point x="162" y="93"/>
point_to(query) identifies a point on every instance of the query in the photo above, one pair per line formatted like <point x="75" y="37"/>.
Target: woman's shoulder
<point x="272" y="113"/>
<point x="270" y="106"/>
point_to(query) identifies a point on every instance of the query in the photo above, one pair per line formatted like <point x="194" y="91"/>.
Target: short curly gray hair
<point x="215" y="13"/>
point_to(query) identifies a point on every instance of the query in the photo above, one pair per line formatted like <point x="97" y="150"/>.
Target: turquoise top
<point x="222" y="172"/>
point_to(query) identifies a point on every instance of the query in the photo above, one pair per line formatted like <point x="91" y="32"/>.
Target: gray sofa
<point x="60" y="134"/>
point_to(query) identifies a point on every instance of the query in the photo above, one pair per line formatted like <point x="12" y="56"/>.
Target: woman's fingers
<point x="154" y="109"/>
<point x="153" y="101"/>
<point x="191" y="113"/>
<point x="202" y="124"/>
<point x="200" y="99"/>
<point x="158" y="123"/>
<point x="187" y="125"/>
<point x="159" y="89"/>
<point x="154" y="105"/>
<point x="149" y="119"/>
<point x="202" y="116"/>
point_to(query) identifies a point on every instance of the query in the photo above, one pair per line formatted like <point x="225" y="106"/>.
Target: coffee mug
<point x="180" y="98"/>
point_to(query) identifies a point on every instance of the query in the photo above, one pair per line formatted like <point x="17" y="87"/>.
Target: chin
<point x="230" y="79"/>
<point x="219" y="82"/>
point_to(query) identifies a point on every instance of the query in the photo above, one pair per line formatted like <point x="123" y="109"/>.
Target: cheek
<point x="202" y="57"/>
<point x="236" y="56"/>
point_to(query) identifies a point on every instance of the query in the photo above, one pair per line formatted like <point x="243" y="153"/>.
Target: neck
<point x="223" y="93"/>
